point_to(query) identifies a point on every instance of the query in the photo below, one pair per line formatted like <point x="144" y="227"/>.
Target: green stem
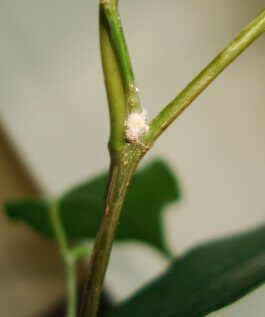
<point x="71" y="284"/>
<point x="125" y="157"/>
<point x="121" y="171"/>
<point x="114" y="86"/>
<point x="67" y="257"/>
<point x="109" y="12"/>
<point x="80" y="251"/>
<point x="205" y="77"/>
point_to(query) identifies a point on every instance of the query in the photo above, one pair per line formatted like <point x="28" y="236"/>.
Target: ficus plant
<point x="206" y="278"/>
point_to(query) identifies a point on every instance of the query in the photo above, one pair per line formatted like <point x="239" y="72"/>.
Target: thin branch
<point x="67" y="257"/>
<point x="114" y="86"/>
<point x="110" y="12"/>
<point x="205" y="77"/>
<point x="71" y="284"/>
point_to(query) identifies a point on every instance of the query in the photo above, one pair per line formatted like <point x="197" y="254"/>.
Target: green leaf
<point x="152" y="188"/>
<point x="205" y="279"/>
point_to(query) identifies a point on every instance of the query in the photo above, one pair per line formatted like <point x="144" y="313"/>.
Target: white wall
<point x="53" y="103"/>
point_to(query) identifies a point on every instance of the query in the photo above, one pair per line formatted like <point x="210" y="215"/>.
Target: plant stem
<point x="121" y="171"/>
<point x="80" y="251"/>
<point x="71" y="285"/>
<point x="204" y="78"/>
<point x="110" y="18"/>
<point x="114" y="86"/>
<point x="125" y="157"/>
<point x="67" y="257"/>
<point x="123" y="99"/>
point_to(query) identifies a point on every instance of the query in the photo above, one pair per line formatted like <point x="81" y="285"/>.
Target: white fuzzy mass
<point x="136" y="125"/>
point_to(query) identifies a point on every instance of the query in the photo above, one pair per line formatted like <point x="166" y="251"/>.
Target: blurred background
<point x="54" y="131"/>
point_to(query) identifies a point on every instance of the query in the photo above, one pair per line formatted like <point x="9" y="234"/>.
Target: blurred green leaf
<point x="152" y="188"/>
<point x="207" y="278"/>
